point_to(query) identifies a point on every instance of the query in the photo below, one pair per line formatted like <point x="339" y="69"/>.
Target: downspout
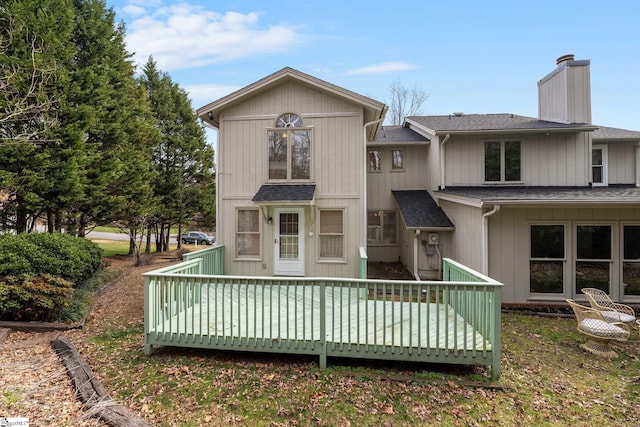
<point x="364" y="178"/>
<point x="416" y="246"/>
<point x="485" y="238"/>
<point x="442" y="162"/>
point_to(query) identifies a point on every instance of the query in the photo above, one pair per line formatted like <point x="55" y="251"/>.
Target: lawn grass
<point x="547" y="380"/>
<point x="118" y="247"/>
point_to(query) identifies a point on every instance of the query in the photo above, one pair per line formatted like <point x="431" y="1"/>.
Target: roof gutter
<point x="485" y="238"/>
<point x="442" y="162"/>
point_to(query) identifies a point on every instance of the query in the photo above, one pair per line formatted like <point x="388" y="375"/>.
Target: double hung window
<point x="502" y="161"/>
<point x="331" y="234"/>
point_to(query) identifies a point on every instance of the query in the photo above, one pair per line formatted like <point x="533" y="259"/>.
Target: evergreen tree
<point x="183" y="161"/>
<point x="34" y="44"/>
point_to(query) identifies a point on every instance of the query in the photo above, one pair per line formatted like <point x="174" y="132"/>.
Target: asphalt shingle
<point x="285" y="193"/>
<point x="419" y="210"/>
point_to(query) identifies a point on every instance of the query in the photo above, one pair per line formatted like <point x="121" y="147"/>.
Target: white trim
<point x="289" y="267"/>
<point x="605" y="165"/>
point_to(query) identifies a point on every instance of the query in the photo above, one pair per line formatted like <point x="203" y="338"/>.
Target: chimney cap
<point x="564" y="58"/>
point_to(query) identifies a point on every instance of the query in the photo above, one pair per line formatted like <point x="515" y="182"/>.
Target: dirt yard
<point x="35" y="384"/>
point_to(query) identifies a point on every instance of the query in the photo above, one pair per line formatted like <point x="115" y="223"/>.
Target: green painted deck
<point x="452" y="321"/>
<point x="241" y="311"/>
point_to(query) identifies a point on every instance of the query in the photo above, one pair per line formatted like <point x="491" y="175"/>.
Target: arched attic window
<point x="289" y="149"/>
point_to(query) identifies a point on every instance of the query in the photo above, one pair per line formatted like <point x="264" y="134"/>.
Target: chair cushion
<point x="600" y="328"/>
<point x="615" y="316"/>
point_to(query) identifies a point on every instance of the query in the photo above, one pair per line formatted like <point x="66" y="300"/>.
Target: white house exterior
<point x="545" y="205"/>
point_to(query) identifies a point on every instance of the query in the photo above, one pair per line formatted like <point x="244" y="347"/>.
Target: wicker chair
<point x="611" y="311"/>
<point x="598" y="330"/>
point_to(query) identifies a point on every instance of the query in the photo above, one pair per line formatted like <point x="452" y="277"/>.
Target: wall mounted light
<point x="269" y="220"/>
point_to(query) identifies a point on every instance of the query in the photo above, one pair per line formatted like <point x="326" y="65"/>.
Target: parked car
<point x="197" y="237"/>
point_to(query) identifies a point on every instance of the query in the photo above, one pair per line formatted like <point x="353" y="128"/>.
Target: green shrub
<point x="29" y="297"/>
<point x="42" y="275"/>
<point x="62" y="255"/>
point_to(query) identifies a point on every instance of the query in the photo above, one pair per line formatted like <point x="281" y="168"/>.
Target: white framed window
<point x="503" y="161"/>
<point x="375" y="161"/>
<point x="631" y="259"/>
<point x="382" y="228"/>
<point x="547" y="258"/>
<point x="599" y="166"/>
<point x="248" y="233"/>
<point x="289" y="149"/>
<point x="397" y="160"/>
<point x="331" y="235"/>
<point x="594" y="257"/>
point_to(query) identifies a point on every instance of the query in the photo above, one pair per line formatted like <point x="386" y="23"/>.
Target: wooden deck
<point x="452" y="321"/>
<point x="241" y="311"/>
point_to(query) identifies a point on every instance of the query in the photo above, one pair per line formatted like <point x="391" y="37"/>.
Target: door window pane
<point x="289" y="235"/>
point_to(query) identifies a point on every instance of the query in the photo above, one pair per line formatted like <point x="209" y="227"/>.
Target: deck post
<point x="496" y="344"/>
<point x="323" y="326"/>
<point x="147" y="311"/>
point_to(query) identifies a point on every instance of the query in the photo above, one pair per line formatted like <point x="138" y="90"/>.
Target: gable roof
<point x="480" y="123"/>
<point x="398" y="134"/>
<point x="373" y="110"/>
<point x="420" y="211"/>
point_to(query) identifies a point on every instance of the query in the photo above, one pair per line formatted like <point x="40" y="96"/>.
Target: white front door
<point x="289" y="242"/>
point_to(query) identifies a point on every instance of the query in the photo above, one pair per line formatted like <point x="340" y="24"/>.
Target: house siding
<point x="547" y="160"/>
<point x="415" y="176"/>
<point x="622" y="162"/>
<point x="336" y="167"/>
<point x="509" y="246"/>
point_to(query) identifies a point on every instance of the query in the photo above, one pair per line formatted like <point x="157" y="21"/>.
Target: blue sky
<point x="470" y="56"/>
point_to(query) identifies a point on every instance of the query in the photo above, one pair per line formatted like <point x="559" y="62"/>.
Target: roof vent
<point x="564" y="58"/>
<point x="458" y="114"/>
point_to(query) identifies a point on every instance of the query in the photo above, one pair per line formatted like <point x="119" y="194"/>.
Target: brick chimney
<point x="564" y="95"/>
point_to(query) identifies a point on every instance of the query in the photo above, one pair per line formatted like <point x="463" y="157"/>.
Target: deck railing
<point x="399" y="320"/>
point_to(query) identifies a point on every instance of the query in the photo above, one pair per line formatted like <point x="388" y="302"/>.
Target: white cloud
<point x="133" y="10"/>
<point x="382" y="68"/>
<point x="202" y="94"/>
<point x="187" y="36"/>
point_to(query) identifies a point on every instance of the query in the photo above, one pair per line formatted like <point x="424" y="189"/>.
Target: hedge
<point x="41" y="272"/>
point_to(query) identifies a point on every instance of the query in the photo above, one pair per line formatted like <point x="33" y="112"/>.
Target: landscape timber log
<point x="90" y="390"/>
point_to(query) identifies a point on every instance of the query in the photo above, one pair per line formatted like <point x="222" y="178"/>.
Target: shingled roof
<point x="604" y="132"/>
<point x="419" y="210"/>
<point x="491" y="122"/>
<point x="617" y="194"/>
<point x="398" y="134"/>
<point x="285" y="193"/>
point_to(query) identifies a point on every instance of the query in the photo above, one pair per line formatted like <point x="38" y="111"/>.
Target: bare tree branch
<point x="404" y="102"/>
